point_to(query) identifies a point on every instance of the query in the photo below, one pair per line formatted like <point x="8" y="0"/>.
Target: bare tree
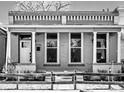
<point x="42" y="6"/>
<point x="61" y="5"/>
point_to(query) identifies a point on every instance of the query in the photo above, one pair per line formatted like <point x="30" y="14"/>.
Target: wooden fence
<point x="53" y="75"/>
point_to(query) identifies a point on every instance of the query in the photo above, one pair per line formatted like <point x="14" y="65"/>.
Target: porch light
<point x="110" y="70"/>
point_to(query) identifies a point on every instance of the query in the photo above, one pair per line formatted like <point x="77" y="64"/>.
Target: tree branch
<point x="41" y="5"/>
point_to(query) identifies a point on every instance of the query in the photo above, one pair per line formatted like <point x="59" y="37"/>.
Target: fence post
<point x="18" y="79"/>
<point x="109" y="78"/>
<point x="52" y="80"/>
<point x="75" y="80"/>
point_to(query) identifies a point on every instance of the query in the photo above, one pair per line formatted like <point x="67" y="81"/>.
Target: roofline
<point x="64" y="26"/>
<point x="11" y="13"/>
<point x="59" y="11"/>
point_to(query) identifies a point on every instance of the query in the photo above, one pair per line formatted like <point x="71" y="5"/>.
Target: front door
<point x="25" y="51"/>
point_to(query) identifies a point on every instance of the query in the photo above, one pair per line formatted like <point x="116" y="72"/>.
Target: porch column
<point x="107" y="40"/>
<point x="94" y="46"/>
<point x="119" y="47"/>
<point x="33" y="47"/>
<point x="8" y="50"/>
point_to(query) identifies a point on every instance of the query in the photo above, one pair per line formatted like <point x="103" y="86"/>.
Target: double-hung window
<point x="51" y="48"/>
<point x="75" y="48"/>
<point x="101" y="48"/>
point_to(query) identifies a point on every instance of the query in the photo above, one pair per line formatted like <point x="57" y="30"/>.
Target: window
<point x="25" y="44"/>
<point x="51" y="48"/>
<point x="75" y="48"/>
<point x="101" y="48"/>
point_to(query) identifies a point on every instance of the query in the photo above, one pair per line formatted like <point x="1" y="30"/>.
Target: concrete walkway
<point x="58" y="87"/>
<point x="60" y="91"/>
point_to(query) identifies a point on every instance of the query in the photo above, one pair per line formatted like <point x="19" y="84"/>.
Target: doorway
<point x="25" y="49"/>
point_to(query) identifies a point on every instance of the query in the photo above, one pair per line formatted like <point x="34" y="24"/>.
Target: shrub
<point x="102" y="77"/>
<point x="87" y="77"/>
<point x="33" y="78"/>
<point x="117" y="78"/>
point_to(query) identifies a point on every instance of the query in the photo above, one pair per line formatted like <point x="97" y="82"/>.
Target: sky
<point x="5" y="6"/>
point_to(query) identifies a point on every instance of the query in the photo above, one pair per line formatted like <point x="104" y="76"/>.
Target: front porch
<point x="95" y="52"/>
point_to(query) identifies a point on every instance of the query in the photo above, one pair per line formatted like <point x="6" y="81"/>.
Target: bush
<point x="117" y="78"/>
<point x="87" y="77"/>
<point x="33" y="78"/>
<point x="103" y="77"/>
<point x="2" y="78"/>
<point x="11" y="79"/>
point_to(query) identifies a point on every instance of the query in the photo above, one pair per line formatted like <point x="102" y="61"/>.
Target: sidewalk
<point x="61" y="91"/>
<point x="58" y="87"/>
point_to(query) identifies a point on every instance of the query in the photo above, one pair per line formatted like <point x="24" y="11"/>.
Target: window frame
<point x="51" y="47"/>
<point x="82" y="38"/>
<point x="106" y="48"/>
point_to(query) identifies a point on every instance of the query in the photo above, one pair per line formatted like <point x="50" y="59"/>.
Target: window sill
<point x="106" y="63"/>
<point x="50" y="64"/>
<point x="76" y="64"/>
<point x="25" y="64"/>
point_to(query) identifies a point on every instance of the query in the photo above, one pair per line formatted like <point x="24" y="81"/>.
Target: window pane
<point x="52" y="55"/>
<point x="75" y="42"/>
<point x="101" y="55"/>
<point x="25" y="44"/>
<point x="76" y="35"/>
<point x="75" y="55"/>
<point x="51" y="35"/>
<point x="75" y="39"/>
<point x="101" y="40"/>
<point x="23" y="37"/>
<point x="51" y="43"/>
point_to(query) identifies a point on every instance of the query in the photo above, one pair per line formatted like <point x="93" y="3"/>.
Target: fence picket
<point x="75" y="80"/>
<point x="52" y="80"/>
<point x="109" y="79"/>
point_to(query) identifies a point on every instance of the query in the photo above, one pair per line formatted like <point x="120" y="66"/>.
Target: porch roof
<point x="90" y="28"/>
<point x="63" y="26"/>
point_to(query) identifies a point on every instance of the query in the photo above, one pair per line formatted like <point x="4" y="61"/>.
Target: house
<point x="3" y="41"/>
<point x="66" y="40"/>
